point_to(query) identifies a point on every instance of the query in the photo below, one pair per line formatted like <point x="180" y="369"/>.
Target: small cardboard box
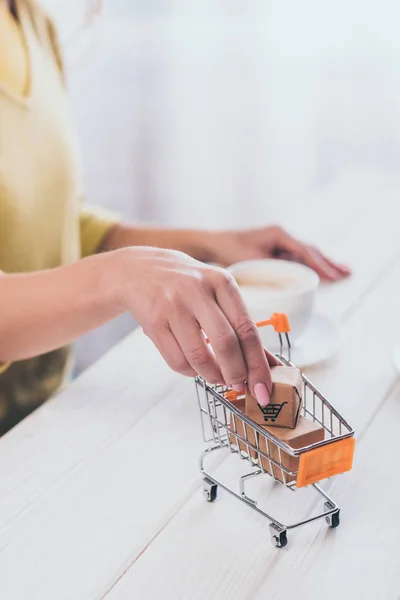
<point x="284" y="407"/>
<point x="236" y="424"/>
<point x="306" y="433"/>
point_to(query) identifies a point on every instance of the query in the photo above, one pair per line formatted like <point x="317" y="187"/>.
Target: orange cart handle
<point x="279" y="322"/>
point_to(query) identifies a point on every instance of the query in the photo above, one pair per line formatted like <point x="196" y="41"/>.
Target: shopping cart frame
<point x="220" y="417"/>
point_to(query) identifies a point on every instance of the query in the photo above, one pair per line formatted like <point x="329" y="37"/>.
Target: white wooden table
<point x="100" y="492"/>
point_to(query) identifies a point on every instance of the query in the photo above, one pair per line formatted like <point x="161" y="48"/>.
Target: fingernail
<point x="345" y="268"/>
<point x="332" y="272"/>
<point x="262" y="394"/>
<point x="238" y="387"/>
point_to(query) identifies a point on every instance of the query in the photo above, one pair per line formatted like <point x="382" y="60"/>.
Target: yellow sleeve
<point x="95" y="223"/>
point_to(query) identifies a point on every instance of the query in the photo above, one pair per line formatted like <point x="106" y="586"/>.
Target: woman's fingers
<point x="310" y="256"/>
<point x="272" y="360"/>
<point x="314" y="259"/>
<point x="325" y="267"/>
<point x="258" y="371"/>
<point x="192" y="355"/>
<point x="197" y="352"/>
<point x="228" y="364"/>
<point x="344" y="270"/>
<point x="171" y="351"/>
<point x="224" y="342"/>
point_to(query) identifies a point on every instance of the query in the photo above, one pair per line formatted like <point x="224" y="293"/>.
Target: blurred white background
<point x="223" y="113"/>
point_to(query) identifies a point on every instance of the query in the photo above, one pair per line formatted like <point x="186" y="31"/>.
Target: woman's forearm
<point x="44" y="310"/>
<point x="176" y="299"/>
<point x="194" y="242"/>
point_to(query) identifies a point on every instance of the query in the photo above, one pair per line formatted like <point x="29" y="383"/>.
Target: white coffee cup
<point x="271" y="285"/>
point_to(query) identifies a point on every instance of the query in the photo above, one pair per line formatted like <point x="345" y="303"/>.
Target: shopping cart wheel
<point x="278" y="537"/>
<point x="333" y="520"/>
<point x="210" y="489"/>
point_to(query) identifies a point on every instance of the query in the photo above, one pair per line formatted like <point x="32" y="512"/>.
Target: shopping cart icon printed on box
<point x="272" y="411"/>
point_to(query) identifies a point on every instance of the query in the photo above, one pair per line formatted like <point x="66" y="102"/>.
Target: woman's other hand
<point x="228" y="247"/>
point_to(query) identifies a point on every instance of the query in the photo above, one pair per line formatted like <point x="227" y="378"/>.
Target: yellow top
<point x="42" y="221"/>
<point x="14" y="68"/>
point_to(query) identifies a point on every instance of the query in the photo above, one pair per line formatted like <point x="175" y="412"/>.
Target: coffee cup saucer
<point x="319" y="342"/>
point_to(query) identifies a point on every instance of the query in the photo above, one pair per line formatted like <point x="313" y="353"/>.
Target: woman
<point x="67" y="269"/>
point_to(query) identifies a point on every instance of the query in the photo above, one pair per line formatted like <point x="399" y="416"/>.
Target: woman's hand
<point x="227" y="247"/>
<point x="176" y="298"/>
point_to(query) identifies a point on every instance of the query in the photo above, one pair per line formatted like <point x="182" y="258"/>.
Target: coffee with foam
<point x="268" y="282"/>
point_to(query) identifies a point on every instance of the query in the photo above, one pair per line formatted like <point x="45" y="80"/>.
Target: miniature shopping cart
<point x="226" y="427"/>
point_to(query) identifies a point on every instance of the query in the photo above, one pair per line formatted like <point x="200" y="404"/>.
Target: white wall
<point x="225" y="113"/>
